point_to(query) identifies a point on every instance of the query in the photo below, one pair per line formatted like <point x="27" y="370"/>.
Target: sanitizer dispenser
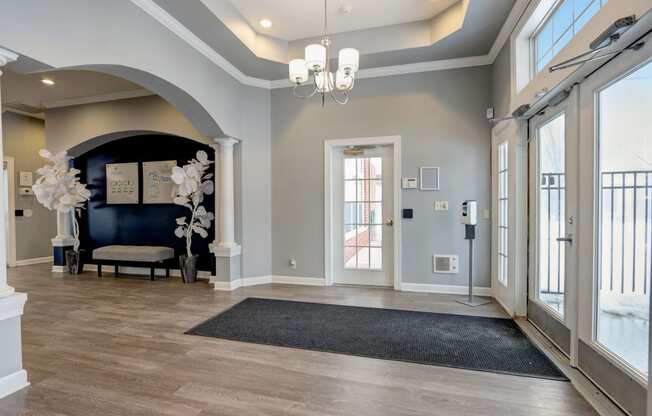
<point x="469" y="217"/>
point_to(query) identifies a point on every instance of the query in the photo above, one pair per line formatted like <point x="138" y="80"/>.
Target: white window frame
<point x="502" y="174"/>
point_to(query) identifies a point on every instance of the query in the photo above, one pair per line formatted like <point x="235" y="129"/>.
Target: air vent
<point x="442" y="263"/>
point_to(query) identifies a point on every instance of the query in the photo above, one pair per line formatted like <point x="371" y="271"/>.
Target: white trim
<point x="40" y="116"/>
<point x="444" y="289"/>
<point x="35" y="260"/>
<point x="329" y="145"/>
<point x="6" y="57"/>
<point x="13" y="382"/>
<point x="508" y="27"/>
<point x="11" y="231"/>
<point x="59" y="269"/>
<point x="267" y="280"/>
<point x="176" y="27"/>
<point x="101" y="98"/>
<point x="12" y="306"/>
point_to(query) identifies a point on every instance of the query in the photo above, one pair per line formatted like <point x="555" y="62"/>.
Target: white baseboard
<point x="266" y="280"/>
<point x="444" y="289"/>
<point x="143" y="271"/>
<point x="13" y="382"/>
<point x="36" y="260"/>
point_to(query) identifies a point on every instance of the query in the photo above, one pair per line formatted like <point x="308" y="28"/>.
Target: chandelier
<point x="316" y="67"/>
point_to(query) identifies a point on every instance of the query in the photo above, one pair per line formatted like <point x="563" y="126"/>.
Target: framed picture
<point x="429" y="178"/>
<point x="122" y="183"/>
<point x="157" y="184"/>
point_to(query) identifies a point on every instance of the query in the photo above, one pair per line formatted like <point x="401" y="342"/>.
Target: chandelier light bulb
<point x="315" y="57"/>
<point x="349" y="60"/>
<point x="343" y="81"/>
<point x="298" y="71"/>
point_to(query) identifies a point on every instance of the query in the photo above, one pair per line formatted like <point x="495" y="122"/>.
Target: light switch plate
<point x="441" y="205"/>
<point x="487" y="214"/>
<point x="25" y="178"/>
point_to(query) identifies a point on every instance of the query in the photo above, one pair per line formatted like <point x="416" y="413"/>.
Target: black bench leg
<point x="115" y="270"/>
<point x="99" y="269"/>
<point x="152" y="272"/>
<point x="167" y="272"/>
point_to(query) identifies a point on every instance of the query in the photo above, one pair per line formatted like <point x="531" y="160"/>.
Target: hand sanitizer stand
<point x="469" y="219"/>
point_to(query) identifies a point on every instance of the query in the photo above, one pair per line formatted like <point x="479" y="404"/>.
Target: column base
<point x="227" y="267"/>
<point x="221" y="250"/>
<point x="59" y="247"/>
<point x="12" y="376"/>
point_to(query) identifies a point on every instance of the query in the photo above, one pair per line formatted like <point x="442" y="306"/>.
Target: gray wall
<point x="441" y="119"/>
<point x="256" y="183"/>
<point x="501" y="82"/>
<point x="23" y="137"/>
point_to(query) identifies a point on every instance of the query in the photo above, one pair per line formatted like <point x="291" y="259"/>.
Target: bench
<point x="140" y="256"/>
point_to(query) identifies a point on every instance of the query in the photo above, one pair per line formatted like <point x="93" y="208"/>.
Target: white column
<point x="5" y="289"/>
<point x="225" y="200"/>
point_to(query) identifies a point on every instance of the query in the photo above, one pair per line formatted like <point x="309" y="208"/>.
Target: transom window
<point x="363" y="205"/>
<point x="503" y="210"/>
<point x="566" y="19"/>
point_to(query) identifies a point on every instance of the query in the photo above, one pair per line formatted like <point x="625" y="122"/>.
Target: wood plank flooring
<point x="116" y="347"/>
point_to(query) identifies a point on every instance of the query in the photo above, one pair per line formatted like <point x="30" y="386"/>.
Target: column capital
<point x="6" y="57"/>
<point x="226" y="141"/>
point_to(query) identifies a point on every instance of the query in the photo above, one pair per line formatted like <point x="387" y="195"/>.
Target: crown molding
<point x="508" y="27"/>
<point x="101" y="98"/>
<point x="7" y="56"/>
<point x="176" y="27"/>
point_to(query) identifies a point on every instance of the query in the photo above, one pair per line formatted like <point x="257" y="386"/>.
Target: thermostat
<point x="409" y="183"/>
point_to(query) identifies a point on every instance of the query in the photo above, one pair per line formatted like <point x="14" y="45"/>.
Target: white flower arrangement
<point x="192" y="183"/>
<point x="58" y="188"/>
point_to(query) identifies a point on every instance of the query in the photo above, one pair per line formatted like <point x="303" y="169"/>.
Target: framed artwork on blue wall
<point x="122" y="183"/>
<point x="157" y="184"/>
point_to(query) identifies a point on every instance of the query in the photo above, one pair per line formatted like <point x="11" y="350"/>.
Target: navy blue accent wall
<point x="138" y="224"/>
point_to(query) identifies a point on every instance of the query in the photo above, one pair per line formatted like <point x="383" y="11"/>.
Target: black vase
<point x="188" y="266"/>
<point x="75" y="261"/>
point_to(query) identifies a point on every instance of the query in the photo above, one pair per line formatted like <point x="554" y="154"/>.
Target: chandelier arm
<point x="295" y="92"/>
<point x="343" y="100"/>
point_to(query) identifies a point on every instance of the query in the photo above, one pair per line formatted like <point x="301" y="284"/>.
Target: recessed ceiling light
<point x="266" y="23"/>
<point x="47" y="81"/>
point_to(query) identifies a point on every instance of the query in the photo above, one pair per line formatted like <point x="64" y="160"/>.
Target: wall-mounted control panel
<point x="409" y="183"/>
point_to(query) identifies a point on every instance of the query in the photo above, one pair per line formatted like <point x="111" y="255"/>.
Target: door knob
<point x="389" y="222"/>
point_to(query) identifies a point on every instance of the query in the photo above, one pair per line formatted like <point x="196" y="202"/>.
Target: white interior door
<point x="363" y="252"/>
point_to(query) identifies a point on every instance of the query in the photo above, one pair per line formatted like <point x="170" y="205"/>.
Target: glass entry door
<point x="553" y="204"/>
<point x="616" y="226"/>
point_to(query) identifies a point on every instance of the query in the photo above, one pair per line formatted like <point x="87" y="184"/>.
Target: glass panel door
<point x="624" y="224"/>
<point x="551" y="273"/>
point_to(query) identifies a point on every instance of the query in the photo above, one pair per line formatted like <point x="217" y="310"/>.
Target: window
<point x="567" y="18"/>
<point x="503" y="212"/>
<point x="363" y="218"/>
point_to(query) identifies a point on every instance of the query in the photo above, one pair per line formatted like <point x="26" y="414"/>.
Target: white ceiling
<point x="28" y="90"/>
<point x="298" y="19"/>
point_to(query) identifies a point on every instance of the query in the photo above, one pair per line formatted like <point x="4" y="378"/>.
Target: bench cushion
<point x="133" y="253"/>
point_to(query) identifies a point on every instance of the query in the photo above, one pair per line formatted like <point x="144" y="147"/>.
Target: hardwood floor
<point x="116" y="347"/>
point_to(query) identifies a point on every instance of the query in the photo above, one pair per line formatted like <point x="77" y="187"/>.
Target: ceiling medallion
<point x="316" y="67"/>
